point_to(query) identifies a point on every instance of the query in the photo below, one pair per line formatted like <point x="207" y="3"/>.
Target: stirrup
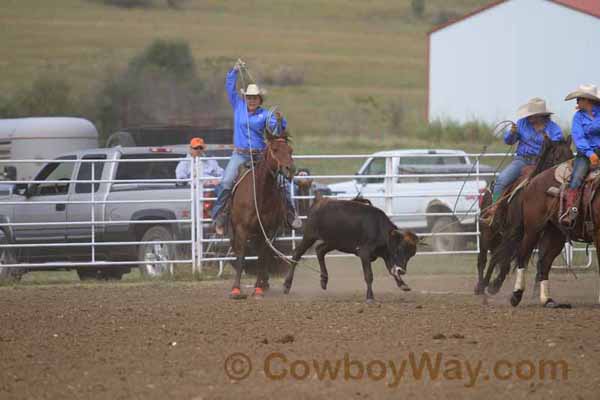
<point x="569" y="217"/>
<point x="297" y="223"/>
<point x="221" y="224"/>
<point x="293" y="221"/>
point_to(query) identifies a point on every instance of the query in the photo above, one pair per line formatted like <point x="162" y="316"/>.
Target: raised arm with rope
<point x="250" y="120"/>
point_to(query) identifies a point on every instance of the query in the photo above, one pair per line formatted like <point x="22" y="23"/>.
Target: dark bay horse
<point x="490" y="237"/>
<point x="245" y="225"/>
<point x="536" y="224"/>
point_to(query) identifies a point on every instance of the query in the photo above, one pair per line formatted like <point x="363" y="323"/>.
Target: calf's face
<point x="401" y="247"/>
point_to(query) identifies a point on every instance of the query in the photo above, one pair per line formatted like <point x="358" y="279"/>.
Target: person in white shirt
<point x="210" y="167"/>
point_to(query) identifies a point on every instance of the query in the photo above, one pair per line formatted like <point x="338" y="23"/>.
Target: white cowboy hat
<point x="585" y="91"/>
<point x="253" y="90"/>
<point x="535" y="106"/>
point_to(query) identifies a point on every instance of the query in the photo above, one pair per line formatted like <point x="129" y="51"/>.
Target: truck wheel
<point x="7" y="256"/>
<point x="446" y="243"/>
<point x="150" y="253"/>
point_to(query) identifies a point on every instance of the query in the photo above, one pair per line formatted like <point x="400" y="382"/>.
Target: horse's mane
<point x="544" y="162"/>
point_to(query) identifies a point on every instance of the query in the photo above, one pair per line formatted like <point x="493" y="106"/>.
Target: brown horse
<point x="536" y="224"/>
<point x="245" y="224"/>
<point x="490" y="237"/>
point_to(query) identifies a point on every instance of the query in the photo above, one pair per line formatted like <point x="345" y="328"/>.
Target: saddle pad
<point x="562" y="173"/>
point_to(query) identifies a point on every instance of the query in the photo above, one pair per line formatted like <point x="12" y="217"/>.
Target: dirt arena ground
<point x="186" y="340"/>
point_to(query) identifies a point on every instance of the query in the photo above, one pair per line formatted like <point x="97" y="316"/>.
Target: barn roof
<point x="591" y="7"/>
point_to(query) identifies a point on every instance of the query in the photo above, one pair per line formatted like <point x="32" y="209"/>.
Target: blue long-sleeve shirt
<point x="530" y="141"/>
<point x="258" y="118"/>
<point x="586" y="131"/>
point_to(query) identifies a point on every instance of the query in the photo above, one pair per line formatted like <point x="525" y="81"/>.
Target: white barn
<point x="486" y="64"/>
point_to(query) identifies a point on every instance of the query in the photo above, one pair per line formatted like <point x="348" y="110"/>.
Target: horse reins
<point x="272" y="154"/>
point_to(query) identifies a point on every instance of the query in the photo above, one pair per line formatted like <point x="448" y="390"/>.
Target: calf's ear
<point x="410" y="238"/>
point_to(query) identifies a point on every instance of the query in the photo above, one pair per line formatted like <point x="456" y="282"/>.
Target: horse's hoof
<point x="236" y="294"/>
<point x="286" y="289"/>
<point x="516" y="297"/>
<point x="492" y="290"/>
<point x="324" y="285"/>
<point x="258" y="293"/>
<point x="370" y="301"/>
<point x="552" y="304"/>
<point x="405" y="288"/>
<point x="479" y="290"/>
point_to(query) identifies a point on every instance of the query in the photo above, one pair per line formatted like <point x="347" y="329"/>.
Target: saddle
<point x="563" y="172"/>
<point x="243" y="170"/>
<point x="588" y="191"/>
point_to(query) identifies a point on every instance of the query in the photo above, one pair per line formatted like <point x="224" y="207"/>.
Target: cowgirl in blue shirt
<point x="533" y="123"/>
<point x="249" y="123"/>
<point x="585" y="130"/>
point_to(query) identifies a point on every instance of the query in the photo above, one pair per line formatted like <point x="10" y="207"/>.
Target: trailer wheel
<point x="447" y="243"/>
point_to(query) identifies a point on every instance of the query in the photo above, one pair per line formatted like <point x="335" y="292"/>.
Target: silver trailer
<point x="43" y="138"/>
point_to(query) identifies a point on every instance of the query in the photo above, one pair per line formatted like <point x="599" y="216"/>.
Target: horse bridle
<point x="272" y="154"/>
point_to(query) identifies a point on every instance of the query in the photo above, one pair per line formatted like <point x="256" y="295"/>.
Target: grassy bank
<point x="357" y="59"/>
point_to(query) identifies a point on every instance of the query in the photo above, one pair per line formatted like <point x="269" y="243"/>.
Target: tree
<point x="418" y="7"/>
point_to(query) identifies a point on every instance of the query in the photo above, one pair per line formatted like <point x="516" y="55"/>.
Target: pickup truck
<point x="41" y="202"/>
<point x="419" y="194"/>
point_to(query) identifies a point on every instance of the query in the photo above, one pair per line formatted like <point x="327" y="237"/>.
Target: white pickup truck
<point x="407" y="185"/>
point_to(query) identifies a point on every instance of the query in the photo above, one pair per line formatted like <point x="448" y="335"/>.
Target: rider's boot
<point x="488" y="215"/>
<point x="567" y="219"/>
<point x="221" y="212"/>
<point x="293" y="220"/>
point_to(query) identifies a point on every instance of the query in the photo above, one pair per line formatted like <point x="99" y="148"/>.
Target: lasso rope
<point x="496" y="131"/>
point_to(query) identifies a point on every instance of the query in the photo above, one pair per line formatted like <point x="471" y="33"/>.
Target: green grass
<point x="349" y="50"/>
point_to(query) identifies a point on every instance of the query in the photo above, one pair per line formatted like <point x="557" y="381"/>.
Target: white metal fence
<point x="196" y="244"/>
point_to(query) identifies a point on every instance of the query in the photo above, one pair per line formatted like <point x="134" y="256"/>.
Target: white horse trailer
<point x="42" y="138"/>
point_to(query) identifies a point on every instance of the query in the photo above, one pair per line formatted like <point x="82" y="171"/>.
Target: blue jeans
<point x="229" y="177"/>
<point x="510" y="174"/>
<point x="581" y="166"/>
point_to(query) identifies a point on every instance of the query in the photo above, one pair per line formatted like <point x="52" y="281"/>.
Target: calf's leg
<point x="321" y="250"/>
<point x="365" y="258"/>
<point x="304" y="245"/>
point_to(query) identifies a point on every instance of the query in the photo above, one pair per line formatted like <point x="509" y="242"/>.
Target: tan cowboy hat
<point x="585" y="91"/>
<point x="253" y="90"/>
<point x="535" y="106"/>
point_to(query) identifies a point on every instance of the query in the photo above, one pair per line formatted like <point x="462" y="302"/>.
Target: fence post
<point x="292" y="194"/>
<point x="479" y="194"/>
<point x="193" y="205"/>
<point x="200" y="213"/>
<point x="93" y="213"/>
<point x="389" y="185"/>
